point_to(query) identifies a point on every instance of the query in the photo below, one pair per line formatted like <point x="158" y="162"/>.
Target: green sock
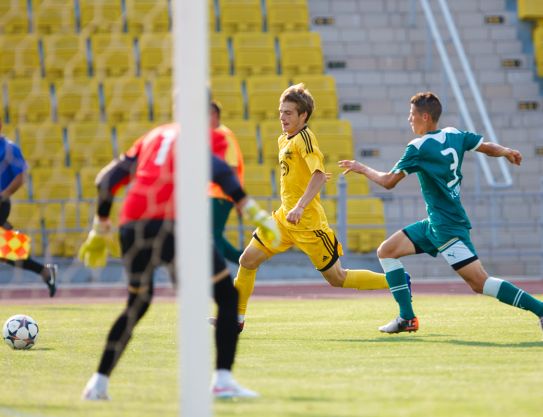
<point x="510" y="294"/>
<point x="395" y="275"/>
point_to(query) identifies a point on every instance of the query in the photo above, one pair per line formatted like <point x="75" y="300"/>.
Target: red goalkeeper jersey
<point x="151" y="194"/>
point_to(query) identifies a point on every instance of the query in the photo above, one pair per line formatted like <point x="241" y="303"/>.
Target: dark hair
<point x="427" y="103"/>
<point x="300" y="96"/>
<point x="216" y="107"/>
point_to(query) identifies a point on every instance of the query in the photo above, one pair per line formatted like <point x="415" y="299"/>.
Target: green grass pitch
<point x="473" y="356"/>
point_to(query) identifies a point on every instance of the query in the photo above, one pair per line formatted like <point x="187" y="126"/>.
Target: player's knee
<point x="249" y="261"/>
<point x="384" y="251"/>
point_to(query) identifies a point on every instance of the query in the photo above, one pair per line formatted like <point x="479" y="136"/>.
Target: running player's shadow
<point x="438" y="338"/>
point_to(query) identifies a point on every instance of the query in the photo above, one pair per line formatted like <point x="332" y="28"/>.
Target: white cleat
<point x="232" y="390"/>
<point x="96" y="389"/>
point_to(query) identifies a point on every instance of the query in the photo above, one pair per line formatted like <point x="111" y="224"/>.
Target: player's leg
<point x="221" y="209"/>
<point x="141" y="255"/>
<point x="226" y="332"/>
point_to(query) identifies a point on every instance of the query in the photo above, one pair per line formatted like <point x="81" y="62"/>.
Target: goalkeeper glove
<point x="264" y="220"/>
<point x="93" y="252"/>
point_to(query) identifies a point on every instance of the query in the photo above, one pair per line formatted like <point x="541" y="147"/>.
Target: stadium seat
<point x="155" y="54"/>
<point x="270" y="130"/>
<point x="530" y="9"/>
<point x="287" y="16"/>
<point x="65" y="55"/>
<point x="219" y="56"/>
<point x="240" y="16"/>
<point x="104" y="16"/>
<point x="28" y="100"/>
<point x="323" y="90"/>
<point x="356" y="184"/>
<point x="25" y="216"/>
<point x="53" y="183"/>
<point x="20" y="56"/>
<point x="125" y="99"/>
<point x="329" y="205"/>
<point x="162" y="99"/>
<point x="263" y="96"/>
<point x="87" y="178"/>
<point x="258" y="180"/>
<point x="538" y="47"/>
<point x="301" y="53"/>
<point x="254" y="54"/>
<point x="14" y="16"/>
<point x="54" y="16"/>
<point x="245" y="131"/>
<point x="227" y="91"/>
<point x="368" y="211"/>
<point x="335" y="138"/>
<point x="77" y="100"/>
<point x="43" y="144"/>
<point x="90" y="144"/>
<point x="128" y="133"/>
<point x="113" y="55"/>
<point x="146" y="16"/>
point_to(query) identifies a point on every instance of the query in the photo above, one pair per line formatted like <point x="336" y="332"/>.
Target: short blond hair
<point x="300" y="96"/>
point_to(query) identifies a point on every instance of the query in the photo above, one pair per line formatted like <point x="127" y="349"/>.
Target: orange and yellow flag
<point x="14" y="245"/>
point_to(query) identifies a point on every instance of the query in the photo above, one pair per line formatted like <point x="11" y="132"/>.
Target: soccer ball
<point x="20" y="332"/>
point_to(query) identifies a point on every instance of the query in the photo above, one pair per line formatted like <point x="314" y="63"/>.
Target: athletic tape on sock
<point x="492" y="286"/>
<point x="390" y="264"/>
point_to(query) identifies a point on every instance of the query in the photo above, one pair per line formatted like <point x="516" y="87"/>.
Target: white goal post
<point x="190" y="72"/>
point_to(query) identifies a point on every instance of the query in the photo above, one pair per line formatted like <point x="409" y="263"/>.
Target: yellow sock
<point x="363" y="279"/>
<point x="244" y="283"/>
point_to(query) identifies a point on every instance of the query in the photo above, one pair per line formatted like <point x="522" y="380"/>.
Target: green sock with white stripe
<point x="395" y="275"/>
<point x="510" y="294"/>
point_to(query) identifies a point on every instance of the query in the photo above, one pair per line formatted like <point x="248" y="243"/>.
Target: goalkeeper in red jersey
<point x="147" y="241"/>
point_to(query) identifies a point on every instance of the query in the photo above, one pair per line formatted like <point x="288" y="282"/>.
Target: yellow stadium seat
<point x="43" y="144"/>
<point x="324" y="92"/>
<point x="240" y="16"/>
<point x="335" y="138"/>
<point x="10" y="131"/>
<point x="254" y="54"/>
<point x="301" y="53"/>
<point x="128" y="133"/>
<point x="77" y="100"/>
<point x="330" y="208"/>
<point x="245" y="131"/>
<point x="53" y="183"/>
<point x="54" y="16"/>
<point x="25" y="216"/>
<point x="263" y="96"/>
<point x="28" y="100"/>
<point x="356" y="184"/>
<point x="367" y="211"/>
<point x="530" y="9"/>
<point x="19" y="56"/>
<point x="145" y="16"/>
<point x="73" y="241"/>
<point x="212" y="16"/>
<point x="87" y="178"/>
<point x="270" y="130"/>
<point x="90" y="144"/>
<point x="13" y="16"/>
<point x="65" y="56"/>
<point x="113" y="54"/>
<point x="219" y="57"/>
<point x="155" y="54"/>
<point x="55" y="244"/>
<point x="287" y="15"/>
<point x="162" y="99"/>
<point x="258" y="180"/>
<point x="227" y="91"/>
<point x="126" y="99"/>
<point x="101" y="16"/>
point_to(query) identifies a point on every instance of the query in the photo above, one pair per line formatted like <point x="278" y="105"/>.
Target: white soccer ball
<point x="20" y="332"/>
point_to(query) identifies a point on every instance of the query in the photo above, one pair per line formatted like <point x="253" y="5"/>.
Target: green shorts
<point x="454" y="244"/>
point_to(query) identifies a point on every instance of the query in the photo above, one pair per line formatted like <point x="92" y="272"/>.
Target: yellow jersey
<point x="299" y="158"/>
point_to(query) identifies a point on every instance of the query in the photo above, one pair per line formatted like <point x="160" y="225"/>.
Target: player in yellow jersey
<point x="301" y="218"/>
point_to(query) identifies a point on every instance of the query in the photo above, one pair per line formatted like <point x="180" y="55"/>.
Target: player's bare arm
<point x="497" y="150"/>
<point x="13" y="186"/>
<point x="386" y="180"/>
<point x="313" y="188"/>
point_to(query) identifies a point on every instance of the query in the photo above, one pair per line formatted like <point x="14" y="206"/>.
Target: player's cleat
<point x="52" y="280"/>
<point x="399" y="325"/>
<point x="232" y="390"/>
<point x="408" y="279"/>
<point x="213" y="322"/>
<point x="93" y="393"/>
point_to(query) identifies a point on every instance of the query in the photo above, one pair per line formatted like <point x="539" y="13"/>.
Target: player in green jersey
<point x="436" y="157"/>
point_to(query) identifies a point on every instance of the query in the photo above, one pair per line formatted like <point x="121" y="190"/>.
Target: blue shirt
<point x="12" y="162"/>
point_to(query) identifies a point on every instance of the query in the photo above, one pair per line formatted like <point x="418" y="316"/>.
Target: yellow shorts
<point x="321" y="246"/>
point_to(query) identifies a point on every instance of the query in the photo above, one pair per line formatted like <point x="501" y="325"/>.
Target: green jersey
<point x="437" y="159"/>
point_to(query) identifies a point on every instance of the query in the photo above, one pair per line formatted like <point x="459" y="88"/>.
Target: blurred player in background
<point x="436" y="157"/>
<point x="301" y="218"/>
<point x="147" y="241"/>
<point x="13" y="169"/>
<point x="221" y="204"/>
